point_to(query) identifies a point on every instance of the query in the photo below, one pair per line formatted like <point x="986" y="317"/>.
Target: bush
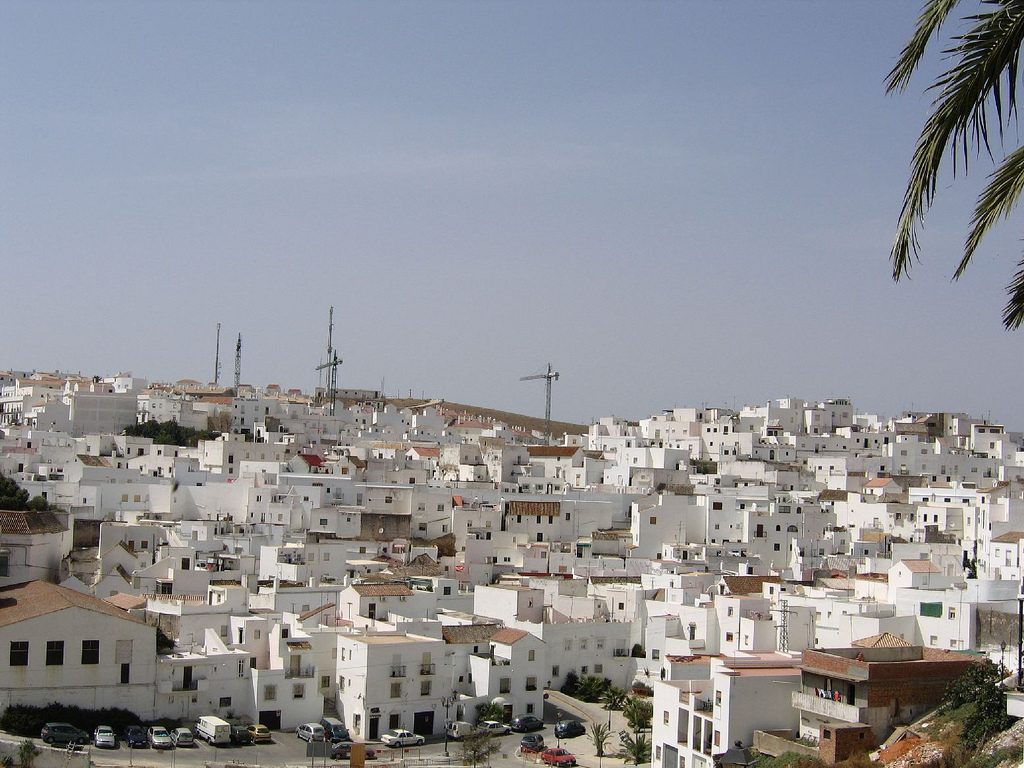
<point x="977" y="697"/>
<point x="591" y="688"/>
<point x="25" y="720"/>
<point x="572" y="682"/>
<point x="638" y="651"/>
<point x="27" y="753"/>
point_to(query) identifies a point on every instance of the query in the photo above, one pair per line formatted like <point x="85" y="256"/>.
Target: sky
<point x="674" y="203"/>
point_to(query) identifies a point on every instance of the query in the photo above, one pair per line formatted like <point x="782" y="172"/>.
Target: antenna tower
<point x="238" y="363"/>
<point x="332" y="363"/>
<point x="548" y="377"/>
<point x="784" y="626"/>
<point x="216" y="360"/>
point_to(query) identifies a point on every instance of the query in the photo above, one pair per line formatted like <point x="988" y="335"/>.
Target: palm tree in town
<point x="636" y="749"/>
<point x="614" y="697"/>
<point x="975" y="101"/>
<point x="599" y="735"/>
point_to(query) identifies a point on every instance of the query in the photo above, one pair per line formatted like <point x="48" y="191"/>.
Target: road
<point x="287" y="750"/>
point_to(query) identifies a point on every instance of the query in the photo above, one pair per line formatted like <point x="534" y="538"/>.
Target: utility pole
<point x="238" y="363"/>
<point x="332" y="363"/>
<point x="216" y="360"/>
<point x="548" y="377"/>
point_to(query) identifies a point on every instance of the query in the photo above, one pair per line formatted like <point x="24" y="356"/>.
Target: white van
<point x="213" y="729"/>
<point x="459" y="729"/>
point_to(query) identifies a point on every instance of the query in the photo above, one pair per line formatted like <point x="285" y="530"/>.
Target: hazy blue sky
<point x="674" y="203"/>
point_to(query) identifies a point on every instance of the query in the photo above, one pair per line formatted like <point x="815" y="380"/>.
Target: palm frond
<point x="960" y="113"/>
<point x="994" y="203"/>
<point x="1013" y="312"/>
<point x="932" y="18"/>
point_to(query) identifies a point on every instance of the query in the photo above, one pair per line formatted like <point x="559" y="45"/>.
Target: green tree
<point x="638" y="713"/>
<point x="975" y="100"/>
<point x="636" y="749"/>
<point x="478" y="748"/>
<point x="614" y="697"/>
<point x="599" y="735"/>
<point x="12" y="496"/>
<point x="490" y="711"/>
<point x="977" y="695"/>
<point x="591" y="688"/>
<point x="27" y="753"/>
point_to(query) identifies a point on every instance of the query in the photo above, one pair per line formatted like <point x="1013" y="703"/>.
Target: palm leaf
<point x="996" y="201"/>
<point x="1013" y="313"/>
<point x="932" y="18"/>
<point x="960" y="113"/>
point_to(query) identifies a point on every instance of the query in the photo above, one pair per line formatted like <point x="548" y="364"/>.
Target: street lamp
<point x="447" y="701"/>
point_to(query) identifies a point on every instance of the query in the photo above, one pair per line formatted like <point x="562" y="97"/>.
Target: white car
<point x="310" y="732"/>
<point x="492" y="728"/>
<point x="159" y="738"/>
<point x="105" y="737"/>
<point x="400" y="738"/>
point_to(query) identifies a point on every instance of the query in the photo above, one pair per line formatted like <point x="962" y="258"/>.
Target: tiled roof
<point x="550" y="508"/>
<point x="878" y="482"/>
<point x="508" y="636"/>
<point x="428" y="453"/>
<point x="33" y="599"/>
<point x="314" y="611"/>
<point x="748" y="585"/>
<point x="126" y="601"/>
<point x="1010" y="537"/>
<point x="463" y="634"/>
<point x="29" y="523"/>
<point x="552" y="451"/>
<point x="830" y="494"/>
<point x="884" y="640"/>
<point x="615" y="580"/>
<point x="921" y="566"/>
<point x="93" y="461"/>
<point x="311" y="459"/>
<point x="382" y="590"/>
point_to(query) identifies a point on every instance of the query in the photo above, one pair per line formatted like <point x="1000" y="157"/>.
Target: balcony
<point x="398" y="670"/>
<point x="296" y="672"/>
<point x="181" y="685"/>
<point x="833" y="710"/>
<point x="427" y="669"/>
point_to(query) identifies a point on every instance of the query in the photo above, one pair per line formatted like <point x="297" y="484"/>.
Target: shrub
<point x="27" y="753"/>
<point x="572" y="682"/>
<point x="638" y="651"/>
<point x="26" y="720"/>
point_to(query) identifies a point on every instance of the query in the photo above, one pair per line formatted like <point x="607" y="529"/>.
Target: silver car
<point x="105" y="737"/>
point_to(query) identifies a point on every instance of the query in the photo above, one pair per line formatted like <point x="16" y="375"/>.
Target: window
<point x="270" y="693"/>
<point x="655" y="654"/>
<point x="299" y="691"/>
<point x="531" y="683"/>
<point x="598" y="669"/>
<point x="90" y="651"/>
<point x="126" y="673"/>
<point x="664" y="717"/>
<point x="19" y="653"/>
<point x="716" y="505"/>
<point x="952" y="613"/>
<point x="583" y="643"/>
<point x="504" y="685"/>
<point x="54" y="652"/>
<point x="325" y="681"/>
<point x="396" y="690"/>
<point x="554" y="671"/>
<point x="424" y="687"/>
<point x="5" y="563"/>
<point x="395" y="720"/>
<point x="718" y="698"/>
<point x="728" y="637"/>
<point x="447" y="590"/>
<point x="225" y="701"/>
<point x="531" y="655"/>
<point x="242" y="666"/>
<point x="654" y="519"/>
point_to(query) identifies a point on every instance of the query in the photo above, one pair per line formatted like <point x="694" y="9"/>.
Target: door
<point x="423" y="723"/>
<point x="186" y="679"/>
<point x="374" y="728"/>
<point x="271" y="718"/>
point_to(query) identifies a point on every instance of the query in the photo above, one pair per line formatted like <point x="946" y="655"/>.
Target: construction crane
<point x="238" y="363"/>
<point x="331" y="366"/>
<point x="216" y="360"/>
<point x="548" y="377"/>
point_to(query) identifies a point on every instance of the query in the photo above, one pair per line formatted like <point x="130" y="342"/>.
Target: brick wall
<point x="837" y="743"/>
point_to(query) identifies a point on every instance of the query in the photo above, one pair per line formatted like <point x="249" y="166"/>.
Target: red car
<point x="558" y="756"/>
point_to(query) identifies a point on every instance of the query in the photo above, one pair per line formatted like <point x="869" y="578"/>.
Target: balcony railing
<point x="191" y="685"/>
<point x="427" y="669"/>
<point x="834" y="710"/>
<point x="398" y="671"/>
<point x="293" y="672"/>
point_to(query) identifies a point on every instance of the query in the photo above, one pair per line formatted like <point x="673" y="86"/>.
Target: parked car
<point x="532" y="742"/>
<point x="215" y="730"/>
<point x="158" y="737"/>
<point x="240" y="733"/>
<point x="492" y="727"/>
<point x="334" y="728"/>
<point x="260" y="733"/>
<point x="63" y="733"/>
<point x="527" y="723"/>
<point x="567" y="729"/>
<point x="401" y="738"/>
<point x="558" y="756"/>
<point x="460" y="729"/>
<point x="135" y="736"/>
<point x="310" y="732"/>
<point x="104" y="737"/>
<point x="182" y="737"/>
<point x="342" y="750"/>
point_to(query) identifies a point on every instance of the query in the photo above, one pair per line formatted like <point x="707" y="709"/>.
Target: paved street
<point x="287" y="750"/>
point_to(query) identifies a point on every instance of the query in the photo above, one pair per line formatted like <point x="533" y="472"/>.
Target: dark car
<point x="526" y="723"/>
<point x="532" y="742"/>
<point x="342" y="750"/>
<point x="135" y="736"/>
<point x="240" y="733"/>
<point x="334" y="729"/>
<point x="567" y="729"/>
<point x="63" y="733"/>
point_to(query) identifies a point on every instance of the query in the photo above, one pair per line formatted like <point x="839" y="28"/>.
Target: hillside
<point x="476" y="412"/>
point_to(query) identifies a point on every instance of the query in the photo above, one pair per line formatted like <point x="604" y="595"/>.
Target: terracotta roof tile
<point x="464" y="634"/>
<point x="382" y="590"/>
<point x="748" y="585"/>
<point x="29" y="523"/>
<point x="21" y="602"/>
<point x="508" y="636"/>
